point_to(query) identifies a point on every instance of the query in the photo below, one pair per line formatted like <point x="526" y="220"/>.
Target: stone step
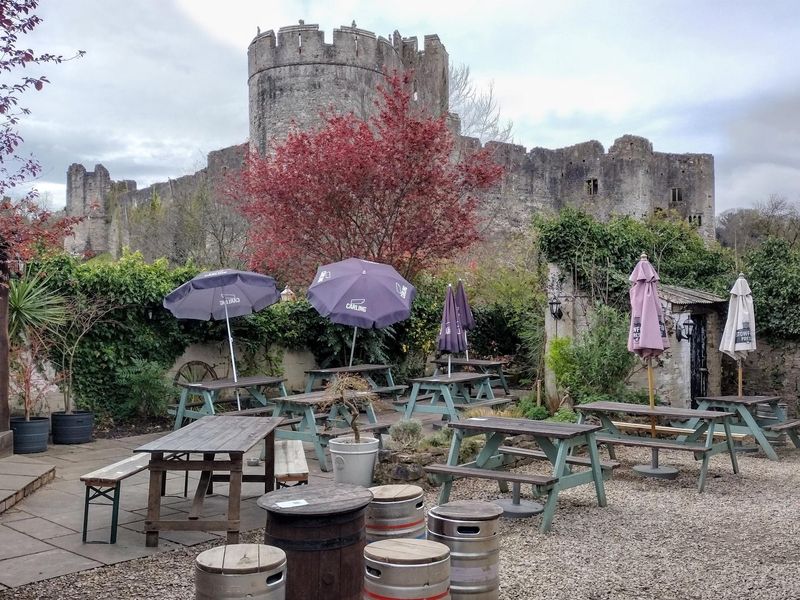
<point x="20" y="477"/>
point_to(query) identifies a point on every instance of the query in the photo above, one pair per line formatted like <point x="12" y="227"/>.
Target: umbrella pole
<point x="449" y="356"/>
<point x="652" y="395"/>
<point x="739" y="369"/>
<point x="466" y="346"/>
<point x="353" y="345"/>
<point x="233" y="358"/>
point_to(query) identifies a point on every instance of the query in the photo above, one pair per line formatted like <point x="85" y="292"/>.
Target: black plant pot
<point x="75" y="428"/>
<point x="30" y="436"/>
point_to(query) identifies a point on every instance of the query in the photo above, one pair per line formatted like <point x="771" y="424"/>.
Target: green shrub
<point x="144" y="391"/>
<point x="406" y="435"/>
<point x="529" y="409"/>
<point x="564" y="415"/>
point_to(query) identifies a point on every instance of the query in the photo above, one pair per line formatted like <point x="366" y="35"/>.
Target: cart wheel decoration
<point x="194" y="371"/>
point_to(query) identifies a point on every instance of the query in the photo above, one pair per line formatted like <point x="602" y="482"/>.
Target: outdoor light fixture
<point x="287" y="295"/>
<point x="555" y="308"/>
<point x="685" y="331"/>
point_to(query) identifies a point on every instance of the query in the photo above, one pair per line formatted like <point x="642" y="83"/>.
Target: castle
<point x="295" y="75"/>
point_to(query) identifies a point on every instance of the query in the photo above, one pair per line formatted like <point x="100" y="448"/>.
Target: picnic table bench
<point x="367" y="371"/>
<point x="209" y="392"/>
<point x="445" y="394"/>
<point x="745" y="421"/>
<point x="700" y="441"/>
<point x="556" y="441"/>
<point x="486" y="366"/>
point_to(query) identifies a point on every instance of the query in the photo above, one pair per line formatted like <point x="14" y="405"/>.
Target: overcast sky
<point x="163" y="82"/>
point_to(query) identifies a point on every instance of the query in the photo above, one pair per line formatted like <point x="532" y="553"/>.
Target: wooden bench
<point x="644" y="442"/>
<point x="666" y="430"/>
<point x="785" y="426"/>
<point x="105" y="483"/>
<point x="290" y="463"/>
<point x="607" y="465"/>
<point x="489" y="403"/>
<point x="542" y="483"/>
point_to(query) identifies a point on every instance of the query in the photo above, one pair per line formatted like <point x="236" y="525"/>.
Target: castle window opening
<point x="696" y="220"/>
<point x="355" y="40"/>
<point x="299" y="42"/>
<point x="591" y="187"/>
<point x="676" y="195"/>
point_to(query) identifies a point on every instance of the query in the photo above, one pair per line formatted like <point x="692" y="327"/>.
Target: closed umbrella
<point x="361" y="293"/>
<point x="739" y="336"/>
<point x="647" y="337"/>
<point x="451" y="336"/>
<point x="464" y="313"/>
<point x="221" y="295"/>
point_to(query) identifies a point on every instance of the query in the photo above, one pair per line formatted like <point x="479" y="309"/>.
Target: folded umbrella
<point x="739" y="336"/>
<point x="451" y="336"/>
<point x="464" y="312"/>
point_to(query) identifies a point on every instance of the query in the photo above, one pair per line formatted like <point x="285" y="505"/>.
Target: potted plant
<point x="33" y="308"/>
<point x="72" y="426"/>
<point x="353" y="456"/>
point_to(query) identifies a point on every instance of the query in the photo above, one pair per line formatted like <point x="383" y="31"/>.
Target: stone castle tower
<point x="294" y="76"/>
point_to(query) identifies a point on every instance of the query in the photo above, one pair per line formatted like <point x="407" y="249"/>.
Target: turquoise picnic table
<point x="448" y="393"/>
<point x="748" y="421"/>
<point x="481" y="365"/>
<point x="210" y="391"/>
<point x="556" y="442"/>
<point x="367" y="371"/>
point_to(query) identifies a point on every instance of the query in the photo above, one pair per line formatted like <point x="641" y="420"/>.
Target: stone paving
<point x="40" y="537"/>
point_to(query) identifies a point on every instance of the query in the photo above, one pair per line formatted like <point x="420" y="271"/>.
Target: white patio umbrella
<point x="739" y="336"/>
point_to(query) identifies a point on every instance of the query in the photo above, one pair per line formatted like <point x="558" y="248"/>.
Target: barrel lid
<point x="473" y="510"/>
<point x="241" y="559"/>
<point x="406" y="551"/>
<point x="316" y="499"/>
<point x="395" y="493"/>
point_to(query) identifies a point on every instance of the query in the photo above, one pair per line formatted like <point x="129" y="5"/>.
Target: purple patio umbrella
<point x="464" y="313"/>
<point x="647" y="337"/>
<point x="221" y="295"/>
<point x="451" y="336"/>
<point x="361" y="293"/>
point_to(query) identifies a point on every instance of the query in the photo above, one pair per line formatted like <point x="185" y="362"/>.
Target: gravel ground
<point x="654" y="540"/>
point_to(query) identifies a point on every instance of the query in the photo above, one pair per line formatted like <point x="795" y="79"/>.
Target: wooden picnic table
<point x="367" y="371"/>
<point x="489" y="367"/>
<point x="556" y="441"/>
<point x="449" y="393"/>
<point x="210" y="436"/>
<point x="700" y="442"/>
<point x="209" y="391"/>
<point x="307" y="406"/>
<point x="747" y="422"/>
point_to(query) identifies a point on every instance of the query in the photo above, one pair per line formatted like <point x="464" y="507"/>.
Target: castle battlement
<point x="304" y="44"/>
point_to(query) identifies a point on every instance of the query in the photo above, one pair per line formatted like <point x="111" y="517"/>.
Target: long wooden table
<point x="701" y="441"/>
<point x="209" y="436"/>
<point x="556" y="440"/>
<point x="488" y="367"/>
<point x="747" y="422"/>
<point x="209" y="391"/>
<point x="446" y="390"/>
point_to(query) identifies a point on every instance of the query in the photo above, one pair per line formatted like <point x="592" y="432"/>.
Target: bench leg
<point x="452" y="460"/>
<point x="701" y="483"/>
<point x="597" y="471"/>
<point x="110" y="493"/>
<point x="85" y="514"/>
<point x="756" y="432"/>
<point x="115" y="513"/>
<point x="154" y="501"/>
<point x="792" y="433"/>
<point x="552" y="495"/>
<point x="726" y="424"/>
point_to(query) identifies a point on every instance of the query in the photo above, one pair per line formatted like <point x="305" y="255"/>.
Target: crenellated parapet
<point x="294" y="76"/>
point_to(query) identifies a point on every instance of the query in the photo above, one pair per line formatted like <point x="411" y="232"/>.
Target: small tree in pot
<point x="72" y="426"/>
<point x="34" y="308"/>
<point x="353" y="455"/>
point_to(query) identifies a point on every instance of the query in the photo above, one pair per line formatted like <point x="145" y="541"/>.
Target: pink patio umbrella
<point x="648" y="338"/>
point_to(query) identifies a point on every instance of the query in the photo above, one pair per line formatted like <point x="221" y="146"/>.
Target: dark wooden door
<point x="697" y="364"/>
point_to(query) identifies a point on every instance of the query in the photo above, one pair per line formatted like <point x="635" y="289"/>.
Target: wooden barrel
<point x="396" y="511"/>
<point x="406" y="569"/>
<point x="321" y="529"/>
<point x="471" y="530"/>
<point x="241" y="571"/>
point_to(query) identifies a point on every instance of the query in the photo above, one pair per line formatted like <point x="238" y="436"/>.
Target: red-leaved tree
<point x="24" y="226"/>
<point x="387" y="189"/>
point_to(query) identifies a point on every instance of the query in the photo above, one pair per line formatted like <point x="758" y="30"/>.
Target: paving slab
<point x="43" y="565"/>
<point x="99" y="518"/>
<point x="39" y="528"/>
<point x="13" y="544"/>
<point x="130" y="544"/>
<point x="184" y="538"/>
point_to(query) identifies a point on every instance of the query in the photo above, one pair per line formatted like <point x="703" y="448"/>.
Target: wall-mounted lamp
<point x="685" y="331"/>
<point x="287" y="295"/>
<point x="555" y="308"/>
